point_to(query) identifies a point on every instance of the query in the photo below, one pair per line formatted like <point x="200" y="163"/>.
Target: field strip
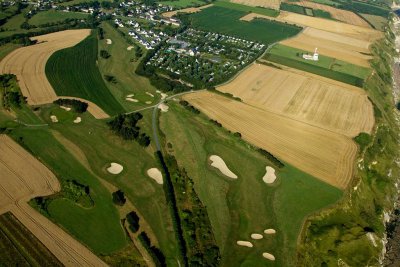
<point x="324" y="154"/>
<point x="28" y="64"/>
<point x="170" y="14"/>
<point x="23" y="177"/>
<point x="274" y="4"/>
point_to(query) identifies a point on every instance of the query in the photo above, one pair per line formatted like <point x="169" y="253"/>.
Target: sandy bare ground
<point x="219" y="163"/>
<point x="185" y="10"/>
<point x="308" y="98"/>
<point x="115" y="168"/>
<point x="245" y="244"/>
<point x="274" y="4"/>
<point x="324" y="154"/>
<point x="357" y="32"/>
<point x="22" y="177"/>
<point x="338" y="14"/>
<point x="332" y="45"/>
<point x="109" y="41"/>
<point x="269" y="176"/>
<point x="29" y="62"/>
<point x="156" y="175"/>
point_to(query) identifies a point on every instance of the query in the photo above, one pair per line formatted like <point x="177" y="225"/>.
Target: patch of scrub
<point x="78" y="120"/>
<point x="163" y="107"/>
<point x="268" y="256"/>
<point x="115" y="168"/>
<point x="269" y="231"/>
<point x="109" y="41"/>
<point x="245" y="244"/>
<point x="256" y="236"/>
<point x="65" y="108"/>
<point x="155" y="174"/>
<point x="219" y="163"/>
<point x="53" y="118"/>
<point x="269" y="176"/>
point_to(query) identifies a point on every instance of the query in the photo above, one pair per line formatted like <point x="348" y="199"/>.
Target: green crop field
<point x="238" y="208"/>
<point x="73" y="72"/>
<point x="52" y="16"/>
<point x="122" y="65"/>
<point x="182" y="3"/>
<point x="98" y="227"/>
<point x="377" y="22"/>
<point x="226" y="21"/>
<point x="247" y="9"/>
<point x="325" y="66"/>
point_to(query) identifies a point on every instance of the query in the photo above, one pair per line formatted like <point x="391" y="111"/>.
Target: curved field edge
<point x="73" y="72"/>
<point x="232" y="204"/>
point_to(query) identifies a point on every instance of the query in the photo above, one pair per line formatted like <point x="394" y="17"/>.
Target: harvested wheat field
<point x="324" y="154"/>
<point x="274" y="4"/>
<point x="28" y="64"/>
<point x="332" y="45"/>
<point x="338" y="14"/>
<point x="170" y="14"/>
<point x="308" y="98"/>
<point x="22" y="177"/>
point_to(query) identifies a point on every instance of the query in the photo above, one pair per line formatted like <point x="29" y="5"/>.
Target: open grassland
<point x="273" y="4"/>
<point x="122" y="66"/>
<point x="238" y="208"/>
<point x="28" y="64"/>
<point x="312" y="99"/>
<point x="182" y="3"/>
<point x="82" y="223"/>
<point x="332" y="45"/>
<point x="18" y="185"/>
<point x="338" y="14"/>
<point x="377" y="22"/>
<point x="324" y="154"/>
<point x="19" y="247"/>
<point x="93" y="145"/>
<point x="325" y="66"/>
<point x="74" y="72"/>
<point x="226" y="21"/>
<point x="52" y="16"/>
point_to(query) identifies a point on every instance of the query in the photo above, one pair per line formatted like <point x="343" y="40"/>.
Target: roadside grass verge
<point x="73" y="72"/>
<point x="238" y="208"/>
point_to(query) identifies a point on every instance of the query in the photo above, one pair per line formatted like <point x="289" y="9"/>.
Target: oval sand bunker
<point x="268" y="256"/>
<point x="256" y="236"/>
<point x="115" y="168"/>
<point x="163" y="107"/>
<point x="219" y="163"/>
<point x="53" y="118"/>
<point x="78" y="120"/>
<point x="270" y="231"/>
<point x="245" y="244"/>
<point x="269" y="176"/>
<point x="155" y="174"/>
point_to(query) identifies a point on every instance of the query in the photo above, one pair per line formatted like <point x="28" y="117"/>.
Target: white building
<point x="313" y="57"/>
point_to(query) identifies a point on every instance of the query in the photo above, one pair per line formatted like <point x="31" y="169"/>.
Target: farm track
<point x="22" y="177"/>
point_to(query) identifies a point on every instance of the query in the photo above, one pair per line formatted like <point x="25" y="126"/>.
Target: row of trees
<point x="10" y="92"/>
<point x="76" y="105"/>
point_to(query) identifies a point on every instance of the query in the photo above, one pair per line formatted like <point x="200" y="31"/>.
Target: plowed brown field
<point x="274" y="4"/>
<point x="28" y="64"/>
<point x="308" y="98"/>
<point x="22" y="177"/>
<point x="324" y="154"/>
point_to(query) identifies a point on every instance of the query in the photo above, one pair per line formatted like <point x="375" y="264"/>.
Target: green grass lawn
<point x="123" y="69"/>
<point x="73" y="72"/>
<point x="259" y="10"/>
<point x="52" y="16"/>
<point x="238" y="208"/>
<point x="101" y="147"/>
<point x="226" y="21"/>
<point x="7" y="48"/>
<point x="325" y="66"/>
<point x="97" y="227"/>
<point x="182" y="3"/>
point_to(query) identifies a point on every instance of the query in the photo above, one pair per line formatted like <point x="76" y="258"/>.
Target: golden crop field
<point x="324" y="154"/>
<point x="274" y="4"/>
<point x="23" y="177"/>
<point x="308" y="98"/>
<point x="28" y="64"/>
<point x="170" y="14"/>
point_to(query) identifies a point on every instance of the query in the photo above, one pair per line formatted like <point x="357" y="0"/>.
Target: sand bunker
<point x="219" y="163"/>
<point x="268" y="256"/>
<point x="109" y="41"/>
<point x="53" y="118"/>
<point x="269" y="176"/>
<point x="163" y="107"/>
<point x="131" y="99"/>
<point x="270" y="231"/>
<point x="78" y="120"/>
<point x="129" y="48"/>
<point x="115" y="168"/>
<point x="245" y="244"/>
<point x="256" y="236"/>
<point x="149" y="94"/>
<point x="131" y="95"/>
<point x="65" y="108"/>
<point x="148" y="102"/>
<point x="155" y="174"/>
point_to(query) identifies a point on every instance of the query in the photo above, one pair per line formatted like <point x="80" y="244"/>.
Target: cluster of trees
<point x="10" y="92"/>
<point x="77" y="192"/>
<point x="125" y="125"/>
<point x="229" y="95"/>
<point x="189" y="107"/>
<point x="104" y="54"/>
<point x="155" y="253"/>
<point x="271" y="158"/>
<point x="76" y="105"/>
<point x="133" y="220"/>
<point x="119" y="198"/>
<point x="110" y="79"/>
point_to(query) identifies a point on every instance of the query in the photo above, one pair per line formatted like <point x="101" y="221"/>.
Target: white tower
<point x="315" y="56"/>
